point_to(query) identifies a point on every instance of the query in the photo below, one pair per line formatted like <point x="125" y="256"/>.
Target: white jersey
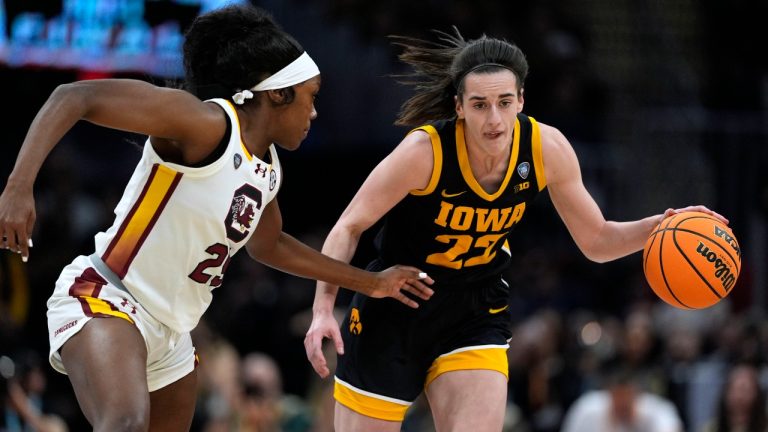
<point x="177" y="227"/>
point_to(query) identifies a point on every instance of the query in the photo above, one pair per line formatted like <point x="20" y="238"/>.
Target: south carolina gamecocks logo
<point x="242" y="212"/>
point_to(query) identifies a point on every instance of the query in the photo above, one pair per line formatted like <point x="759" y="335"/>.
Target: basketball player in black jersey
<point x="452" y="191"/>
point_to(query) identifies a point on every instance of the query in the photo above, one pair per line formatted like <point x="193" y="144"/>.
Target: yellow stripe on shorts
<point x="492" y="357"/>
<point x="368" y="405"/>
<point x="101" y="308"/>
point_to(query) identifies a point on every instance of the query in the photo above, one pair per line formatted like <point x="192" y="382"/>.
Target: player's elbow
<point x="254" y="251"/>
<point x="346" y="230"/>
<point x="598" y="244"/>
<point x="596" y="252"/>
<point x="597" y="257"/>
<point x="262" y="251"/>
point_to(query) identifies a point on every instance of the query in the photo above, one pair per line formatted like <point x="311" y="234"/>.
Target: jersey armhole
<point x="437" y="159"/>
<point x="538" y="159"/>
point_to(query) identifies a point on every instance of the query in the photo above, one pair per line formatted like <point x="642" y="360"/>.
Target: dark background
<point x="666" y="104"/>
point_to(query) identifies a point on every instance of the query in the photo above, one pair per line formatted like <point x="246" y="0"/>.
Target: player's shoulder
<point x="553" y="140"/>
<point x="549" y="132"/>
<point x="418" y="140"/>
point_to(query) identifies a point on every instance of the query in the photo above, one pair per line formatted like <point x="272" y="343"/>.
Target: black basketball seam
<point x="645" y="257"/>
<point x="659" y="228"/>
<point x="696" y="217"/>
<point x="712" y="218"/>
<point x="715" y="242"/>
<point x="654" y="234"/>
<point x="690" y="263"/>
<point x="663" y="274"/>
<point x="710" y="239"/>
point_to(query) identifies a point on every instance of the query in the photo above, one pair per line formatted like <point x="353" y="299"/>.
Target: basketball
<point x="692" y="260"/>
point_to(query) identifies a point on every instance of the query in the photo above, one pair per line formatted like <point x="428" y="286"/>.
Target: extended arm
<point x="273" y="247"/>
<point x="598" y="239"/>
<point x="407" y="168"/>
<point x="175" y="117"/>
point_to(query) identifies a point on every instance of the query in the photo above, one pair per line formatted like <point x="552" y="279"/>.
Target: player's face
<point x="297" y="116"/>
<point x="489" y="107"/>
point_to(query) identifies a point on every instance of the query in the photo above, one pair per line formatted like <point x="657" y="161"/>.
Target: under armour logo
<point x="126" y="303"/>
<point x="260" y="170"/>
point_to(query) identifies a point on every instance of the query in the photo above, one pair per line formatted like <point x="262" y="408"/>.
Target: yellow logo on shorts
<point x="497" y="310"/>
<point x="355" y="326"/>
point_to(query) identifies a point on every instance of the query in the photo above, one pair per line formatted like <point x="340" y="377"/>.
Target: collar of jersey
<point x="466" y="169"/>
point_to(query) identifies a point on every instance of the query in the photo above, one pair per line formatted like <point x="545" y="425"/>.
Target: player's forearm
<point x="340" y="244"/>
<point x="294" y="257"/>
<point x="619" y="239"/>
<point x="325" y="297"/>
<point x="55" y="118"/>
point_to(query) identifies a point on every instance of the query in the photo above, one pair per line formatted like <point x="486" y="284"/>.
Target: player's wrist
<point x="324" y="304"/>
<point x="322" y="310"/>
<point x="655" y="220"/>
<point x="20" y="182"/>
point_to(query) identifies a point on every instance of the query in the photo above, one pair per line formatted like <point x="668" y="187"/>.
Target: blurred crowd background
<point x="665" y="102"/>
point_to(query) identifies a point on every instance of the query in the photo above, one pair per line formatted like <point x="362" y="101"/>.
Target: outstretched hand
<point x="392" y="282"/>
<point x="396" y="280"/>
<point x="323" y="326"/>
<point x="17" y="218"/>
<point x="696" y="208"/>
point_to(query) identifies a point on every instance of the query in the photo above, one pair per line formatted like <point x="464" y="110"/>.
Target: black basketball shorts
<point x="393" y="352"/>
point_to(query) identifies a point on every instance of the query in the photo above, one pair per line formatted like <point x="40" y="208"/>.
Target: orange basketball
<point x="692" y="260"/>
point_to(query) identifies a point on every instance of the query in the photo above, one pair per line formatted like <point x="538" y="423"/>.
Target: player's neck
<point x="254" y="132"/>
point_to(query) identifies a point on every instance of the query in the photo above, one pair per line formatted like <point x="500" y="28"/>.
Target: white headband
<point x="298" y="71"/>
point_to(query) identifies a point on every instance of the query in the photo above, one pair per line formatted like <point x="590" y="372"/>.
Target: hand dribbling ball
<point x="692" y="260"/>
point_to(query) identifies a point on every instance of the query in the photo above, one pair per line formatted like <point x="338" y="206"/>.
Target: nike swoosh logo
<point x="445" y="194"/>
<point x="495" y="311"/>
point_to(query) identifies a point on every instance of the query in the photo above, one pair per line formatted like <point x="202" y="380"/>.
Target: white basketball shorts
<point x="82" y="293"/>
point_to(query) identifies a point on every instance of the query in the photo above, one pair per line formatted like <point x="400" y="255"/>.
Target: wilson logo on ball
<point x="722" y="271"/>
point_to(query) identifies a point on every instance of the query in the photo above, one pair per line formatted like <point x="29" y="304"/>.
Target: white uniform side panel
<point x="177" y="227"/>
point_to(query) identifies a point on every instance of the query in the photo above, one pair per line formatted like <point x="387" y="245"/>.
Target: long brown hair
<point x="439" y="69"/>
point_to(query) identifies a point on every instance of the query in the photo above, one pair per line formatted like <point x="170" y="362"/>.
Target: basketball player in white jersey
<point x="204" y="188"/>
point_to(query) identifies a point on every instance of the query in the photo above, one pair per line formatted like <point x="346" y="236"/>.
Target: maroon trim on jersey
<point x="127" y="249"/>
<point x="123" y="271"/>
<point x="130" y="214"/>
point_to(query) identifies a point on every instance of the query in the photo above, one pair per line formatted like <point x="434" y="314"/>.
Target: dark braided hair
<point x="234" y="48"/>
<point x="439" y="70"/>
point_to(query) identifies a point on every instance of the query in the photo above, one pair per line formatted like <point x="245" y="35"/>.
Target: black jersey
<point x="453" y="229"/>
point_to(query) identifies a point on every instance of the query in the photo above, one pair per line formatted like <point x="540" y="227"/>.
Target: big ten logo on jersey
<point x="487" y="228"/>
<point x="355" y="326"/>
<point x="272" y="180"/>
